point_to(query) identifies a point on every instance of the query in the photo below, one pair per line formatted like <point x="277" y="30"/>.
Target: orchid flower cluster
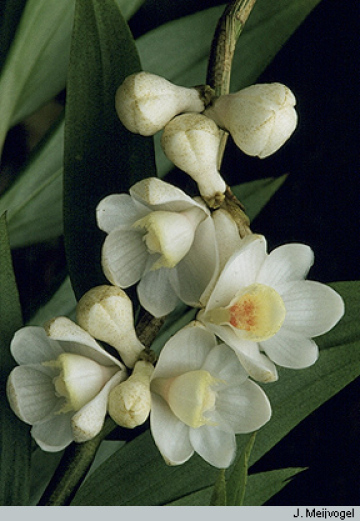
<point x="254" y="310"/>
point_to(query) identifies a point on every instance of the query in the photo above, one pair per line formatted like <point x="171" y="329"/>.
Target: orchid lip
<point x="256" y="311"/>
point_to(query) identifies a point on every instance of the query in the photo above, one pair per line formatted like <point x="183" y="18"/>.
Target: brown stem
<point x="227" y="32"/>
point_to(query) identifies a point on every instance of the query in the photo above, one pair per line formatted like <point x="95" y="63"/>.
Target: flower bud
<point x="130" y="402"/>
<point x="106" y="313"/>
<point x="259" y="118"/>
<point x="191" y="142"/>
<point x="145" y="103"/>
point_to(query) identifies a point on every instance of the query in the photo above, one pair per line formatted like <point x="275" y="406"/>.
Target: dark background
<point x="317" y="205"/>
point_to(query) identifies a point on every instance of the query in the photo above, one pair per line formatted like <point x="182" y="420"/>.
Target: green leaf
<point x="137" y="475"/>
<point x="36" y="65"/>
<point x="348" y="330"/>
<point x="34" y="201"/>
<point x="10" y="13"/>
<point x="236" y="484"/>
<point x="43" y="466"/>
<point x="218" y="496"/>
<point x="260" y="488"/>
<point x="129" y="7"/>
<point x="62" y="303"/>
<point x="14" y="434"/>
<point x="264" y="485"/>
<point x="254" y="195"/>
<point x="101" y="156"/>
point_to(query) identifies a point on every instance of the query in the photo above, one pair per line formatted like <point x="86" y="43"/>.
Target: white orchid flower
<point x="260" y="118"/>
<point x="62" y="383"/>
<point x="201" y="398"/>
<point x="263" y="308"/>
<point x="145" y="102"/>
<point x="161" y="237"/>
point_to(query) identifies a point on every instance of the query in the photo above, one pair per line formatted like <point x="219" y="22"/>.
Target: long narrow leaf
<point x="101" y="156"/>
<point x="34" y="201"/>
<point x="14" y="435"/>
<point x="260" y="488"/>
<point x="237" y="481"/>
<point x="36" y="66"/>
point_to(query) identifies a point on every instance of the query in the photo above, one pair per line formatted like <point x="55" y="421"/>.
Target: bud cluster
<point x="260" y="118"/>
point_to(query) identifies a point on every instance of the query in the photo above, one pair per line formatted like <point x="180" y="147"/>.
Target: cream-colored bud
<point x="106" y="312"/>
<point x="130" y="402"/>
<point x="191" y="142"/>
<point x="259" y="118"/>
<point x="146" y="102"/>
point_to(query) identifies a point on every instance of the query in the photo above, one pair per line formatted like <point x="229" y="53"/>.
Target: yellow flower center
<point x="79" y="380"/>
<point x="189" y="396"/>
<point x="169" y="234"/>
<point x="258" y="311"/>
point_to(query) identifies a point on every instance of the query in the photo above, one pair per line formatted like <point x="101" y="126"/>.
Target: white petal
<point x="185" y="351"/>
<point x="160" y="195"/>
<point x="74" y="339"/>
<point x="286" y="263"/>
<point x="31" y="345"/>
<point x="245" y="407"/>
<point x="215" y="446"/>
<point x="290" y="349"/>
<point x="171" y="436"/>
<point x="124" y="256"/>
<point x="156" y="294"/>
<point x="227" y="235"/>
<point x="222" y="363"/>
<point x="240" y="271"/>
<point x="256" y="364"/>
<point x="89" y="420"/>
<point x="195" y="272"/>
<point x="55" y="434"/>
<point x="31" y="393"/>
<point x="118" y="210"/>
<point x="312" y="308"/>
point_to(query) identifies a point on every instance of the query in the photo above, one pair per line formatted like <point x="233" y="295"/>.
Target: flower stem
<point x="72" y="469"/>
<point x="227" y="32"/>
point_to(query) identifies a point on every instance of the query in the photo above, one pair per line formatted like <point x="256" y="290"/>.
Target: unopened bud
<point x="130" y="402"/>
<point x="191" y="142"/>
<point x="259" y="118"/>
<point x="106" y="312"/>
<point x="145" y="103"/>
